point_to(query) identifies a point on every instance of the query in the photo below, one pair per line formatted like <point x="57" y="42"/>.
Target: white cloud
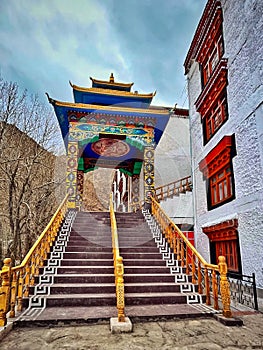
<point x="46" y="43"/>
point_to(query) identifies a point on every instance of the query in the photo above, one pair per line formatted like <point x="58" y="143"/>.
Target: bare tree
<point x="29" y="139"/>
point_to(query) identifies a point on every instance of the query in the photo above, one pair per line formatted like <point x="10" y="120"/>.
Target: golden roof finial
<point x="111" y="78"/>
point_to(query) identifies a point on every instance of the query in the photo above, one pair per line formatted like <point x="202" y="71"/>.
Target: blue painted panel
<point x="105" y="100"/>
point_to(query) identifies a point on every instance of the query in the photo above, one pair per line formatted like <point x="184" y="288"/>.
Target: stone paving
<point x="187" y="334"/>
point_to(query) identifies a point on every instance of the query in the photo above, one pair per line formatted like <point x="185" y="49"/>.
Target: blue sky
<point x="46" y="43"/>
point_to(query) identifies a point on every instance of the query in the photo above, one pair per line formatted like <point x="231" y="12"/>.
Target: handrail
<point x="118" y="265"/>
<point x="17" y="280"/>
<point x="195" y="265"/>
<point x="173" y="188"/>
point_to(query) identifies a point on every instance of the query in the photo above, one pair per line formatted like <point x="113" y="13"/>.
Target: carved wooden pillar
<point x="148" y="167"/>
<point x="72" y="169"/>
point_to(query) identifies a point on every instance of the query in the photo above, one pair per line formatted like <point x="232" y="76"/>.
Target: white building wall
<point x="172" y="156"/>
<point x="179" y="208"/>
<point x="243" y="38"/>
<point x="173" y="162"/>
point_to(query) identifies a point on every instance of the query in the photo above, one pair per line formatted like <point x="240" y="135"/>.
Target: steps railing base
<point x="120" y="327"/>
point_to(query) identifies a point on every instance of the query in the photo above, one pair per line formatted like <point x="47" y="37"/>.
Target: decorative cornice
<point x="110" y="83"/>
<point x="216" y="83"/>
<point x="180" y="112"/>
<point x="226" y="230"/>
<point x="211" y="13"/>
<point x="218" y="157"/>
<point x="112" y="92"/>
<point x="106" y="108"/>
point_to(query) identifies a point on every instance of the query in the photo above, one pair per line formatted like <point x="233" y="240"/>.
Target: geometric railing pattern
<point x="16" y="281"/>
<point x="210" y="279"/>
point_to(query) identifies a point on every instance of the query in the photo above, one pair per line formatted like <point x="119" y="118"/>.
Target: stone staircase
<point x="77" y="281"/>
<point x="85" y="276"/>
<point x="148" y="279"/>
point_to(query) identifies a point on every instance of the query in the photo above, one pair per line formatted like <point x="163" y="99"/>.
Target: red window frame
<point x="221" y="185"/>
<point x="216" y="117"/>
<point x="230" y="251"/>
<point x="218" y="171"/>
<point x="224" y="241"/>
<point x="212" y="58"/>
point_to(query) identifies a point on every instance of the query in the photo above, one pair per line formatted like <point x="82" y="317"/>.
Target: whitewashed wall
<point x="173" y="162"/>
<point x="243" y="38"/>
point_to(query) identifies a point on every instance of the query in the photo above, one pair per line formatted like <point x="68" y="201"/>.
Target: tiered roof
<point x="109" y="103"/>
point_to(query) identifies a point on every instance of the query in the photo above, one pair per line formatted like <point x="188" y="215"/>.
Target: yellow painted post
<point x="13" y="295"/>
<point x="182" y="253"/>
<point x="199" y="277"/>
<point x="20" y="289"/>
<point x="27" y="279"/>
<point x="187" y="260"/>
<point x="193" y="269"/>
<point x="224" y="286"/>
<point x="178" y="251"/>
<point x="120" y="290"/>
<point x="215" y="290"/>
<point x="5" y="291"/>
<point x="207" y="287"/>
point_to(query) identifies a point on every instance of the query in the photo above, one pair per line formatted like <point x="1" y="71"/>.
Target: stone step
<point x="141" y="313"/>
<point x="106" y="242"/>
<point x="123" y="243"/>
<point x="98" y="299"/>
<point x="92" y="243"/>
<point x="122" y="238"/>
<point x="90" y="229"/>
<point x="77" y="261"/>
<point x="82" y="288"/>
<point x="84" y="278"/>
<point x="85" y="270"/>
<point x="148" y="278"/>
<point x="86" y="262"/>
<point x="139" y="255"/>
<point x="155" y="298"/>
<point x="143" y="262"/>
<point x="123" y="250"/>
<point x="88" y="255"/>
<point x="140" y="249"/>
<point x="89" y="248"/>
<point x="129" y="225"/>
<point x="154" y="287"/>
<point x="152" y="270"/>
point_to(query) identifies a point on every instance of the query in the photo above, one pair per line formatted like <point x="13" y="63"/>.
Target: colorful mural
<point x="109" y="126"/>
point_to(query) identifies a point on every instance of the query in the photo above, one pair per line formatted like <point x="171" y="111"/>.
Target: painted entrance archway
<point x="109" y="126"/>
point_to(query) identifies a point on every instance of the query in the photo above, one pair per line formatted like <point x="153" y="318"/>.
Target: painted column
<point x="72" y="169"/>
<point x="80" y="184"/>
<point x="148" y="167"/>
<point x="135" y="193"/>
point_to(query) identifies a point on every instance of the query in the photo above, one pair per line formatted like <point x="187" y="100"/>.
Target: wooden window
<point x="213" y="56"/>
<point x="216" y="117"/>
<point x="223" y="239"/>
<point x="218" y="172"/>
<point x="229" y="250"/>
<point x="221" y="186"/>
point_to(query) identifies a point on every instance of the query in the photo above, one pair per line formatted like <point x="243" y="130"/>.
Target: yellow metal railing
<point x="173" y="188"/>
<point x="118" y="266"/>
<point x="16" y="281"/>
<point x="203" y="274"/>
